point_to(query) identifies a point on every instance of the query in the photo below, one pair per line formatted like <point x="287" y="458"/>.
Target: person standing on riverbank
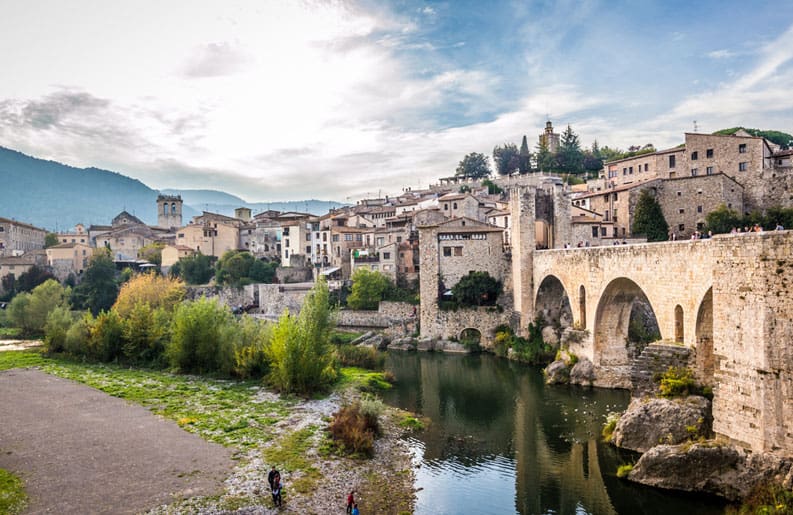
<point x="271" y="476"/>
<point x="355" y="509"/>
<point x="350" y="501"/>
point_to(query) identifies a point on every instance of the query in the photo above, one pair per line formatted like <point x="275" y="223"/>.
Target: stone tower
<point x="169" y="211"/>
<point x="549" y="138"/>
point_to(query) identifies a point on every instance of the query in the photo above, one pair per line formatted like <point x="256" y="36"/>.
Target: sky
<point x="340" y="100"/>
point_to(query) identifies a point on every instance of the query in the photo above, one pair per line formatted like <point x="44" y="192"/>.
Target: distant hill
<point x="783" y="139"/>
<point x="225" y="203"/>
<point x="55" y="196"/>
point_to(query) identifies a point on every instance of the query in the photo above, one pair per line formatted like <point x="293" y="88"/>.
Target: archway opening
<point x="582" y="306"/>
<point x="552" y="304"/>
<point x="470" y="337"/>
<point x="706" y="361"/>
<point x="679" y="334"/>
<point x="624" y="324"/>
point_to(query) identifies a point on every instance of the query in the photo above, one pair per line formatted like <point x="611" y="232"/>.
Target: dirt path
<point x="80" y="451"/>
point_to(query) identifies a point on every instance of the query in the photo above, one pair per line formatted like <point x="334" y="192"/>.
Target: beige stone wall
<point x="17" y="238"/>
<point x="214" y="239"/>
<point x="753" y="340"/>
<point x="686" y="202"/>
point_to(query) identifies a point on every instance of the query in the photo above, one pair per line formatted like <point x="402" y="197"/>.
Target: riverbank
<point x="263" y="429"/>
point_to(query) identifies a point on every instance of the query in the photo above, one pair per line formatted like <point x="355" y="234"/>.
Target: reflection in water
<point x="500" y="441"/>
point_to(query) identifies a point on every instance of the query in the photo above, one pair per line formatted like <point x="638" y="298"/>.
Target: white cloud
<point x="721" y="54"/>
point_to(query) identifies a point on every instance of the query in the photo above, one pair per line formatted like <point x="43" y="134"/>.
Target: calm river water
<point x="501" y="442"/>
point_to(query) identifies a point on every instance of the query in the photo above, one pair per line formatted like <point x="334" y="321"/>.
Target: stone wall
<point x="395" y="319"/>
<point x="295" y="273"/>
<point x="449" y="324"/>
<point x="274" y="299"/>
<point x="229" y="296"/>
<point x="753" y="340"/>
<point x="688" y="200"/>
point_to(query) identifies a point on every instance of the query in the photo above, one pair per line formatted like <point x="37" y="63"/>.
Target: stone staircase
<point x="654" y="360"/>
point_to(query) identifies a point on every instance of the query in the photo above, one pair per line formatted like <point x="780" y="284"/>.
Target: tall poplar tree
<point x="524" y="157"/>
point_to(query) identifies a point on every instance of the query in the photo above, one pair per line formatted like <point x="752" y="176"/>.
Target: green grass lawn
<point x="12" y="493"/>
<point x="227" y="412"/>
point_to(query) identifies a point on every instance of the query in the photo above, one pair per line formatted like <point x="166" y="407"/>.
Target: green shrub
<point x="200" y="338"/>
<point x="767" y="499"/>
<point x="677" y="382"/>
<point x="624" y="470"/>
<point x="412" y="423"/>
<point x="371" y="408"/>
<point x="58" y="322"/>
<point x="301" y="357"/>
<point x="368" y="289"/>
<point x="107" y="336"/>
<point x="250" y="344"/>
<point x="29" y="312"/>
<point x="78" y="336"/>
<point x="362" y="357"/>
<point x="145" y="333"/>
<point x="611" y="423"/>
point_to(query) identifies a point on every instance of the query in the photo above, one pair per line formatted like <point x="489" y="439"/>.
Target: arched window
<point x="165" y="208"/>
<point x="173" y="208"/>
<point x="678" y="324"/>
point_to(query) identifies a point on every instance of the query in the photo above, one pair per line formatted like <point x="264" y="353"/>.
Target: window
<point x="308" y="236"/>
<point x="348" y="237"/>
<point x="671" y="161"/>
<point x="399" y="239"/>
<point x="606" y="215"/>
<point x="630" y="170"/>
<point x="447" y="251"/>
<point x="458" y="251"/>
<point x="359" y="237"/>
<point x="709" y="153"/>
<point x="595" y="232"/>
<point x="646" y="167"/>
<point x="624" y="171"/>
<point x="679" y="193"/>
<point x="694" y="172"/>
<point x="681" y="227"/>
<point x="386" y="255"/>
<point x="334" y="238"/>
<point x="700" y="226"/>
<point x="308" y="249"/>
<point x="445" y="207"/>
<point x="454" y="206"/>
<point x="709" y="170"/>
<point x="615" y="197"/>
<point x="694" y="156"/>
<point x="699" y="209"/>
<point x="603" y="231"/>
<point x="742" y="148"/>
<point x="742" y="166"/>
<point x="286" y="242"/>
<point x="681" y="211"/>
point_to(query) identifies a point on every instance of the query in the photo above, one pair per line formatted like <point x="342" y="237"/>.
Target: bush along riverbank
<point x="673" y="430"/>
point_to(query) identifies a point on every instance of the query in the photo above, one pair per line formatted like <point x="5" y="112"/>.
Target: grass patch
<point x="225" y="412"/>
<point x="343" y="337"/>
<point x="21" y="359"/>
<point x="10" y="332"/>
<point x="363" y="380"/>
<point x="412" y="423"/>
<point x="289" y="454"/>
<point x="13" y="498"/>
<point x="608" y="429"/>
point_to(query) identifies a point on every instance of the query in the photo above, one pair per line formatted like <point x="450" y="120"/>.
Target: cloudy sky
<point x="281" y="100"/>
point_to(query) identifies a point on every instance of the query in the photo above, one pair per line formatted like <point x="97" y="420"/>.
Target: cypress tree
<point x="648" y="219"/>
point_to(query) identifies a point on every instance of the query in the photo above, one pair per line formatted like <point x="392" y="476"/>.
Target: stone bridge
<point x="729" y="298"/>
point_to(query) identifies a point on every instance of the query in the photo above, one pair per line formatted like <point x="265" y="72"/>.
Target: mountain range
<point x="56" y="197"/>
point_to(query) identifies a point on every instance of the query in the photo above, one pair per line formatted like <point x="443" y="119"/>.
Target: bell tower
<point x="169" y="211"/>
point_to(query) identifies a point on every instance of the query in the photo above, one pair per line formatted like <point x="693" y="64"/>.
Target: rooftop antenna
<point x="695" y="126"/>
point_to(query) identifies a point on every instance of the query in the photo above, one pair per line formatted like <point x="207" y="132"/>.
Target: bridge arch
<point x="471" y="336"/>
<point x="706" y="362"/>
<point x="553" y="303"/>
<point x="621" y="301"/>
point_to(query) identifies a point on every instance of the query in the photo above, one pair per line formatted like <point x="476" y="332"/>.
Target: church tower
<point x="169" y="211"/>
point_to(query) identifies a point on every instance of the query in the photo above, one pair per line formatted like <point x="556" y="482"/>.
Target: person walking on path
<point x="271" y="476"/>
<point x="350" y="501"/>
<point x="277" y="487"/>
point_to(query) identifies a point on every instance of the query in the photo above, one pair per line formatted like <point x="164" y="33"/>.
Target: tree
<point x="50" y="240"/>
<point x="722" y="220"/>
<point x="507" y="158"/>
<point x="195" y="269"/>
<point x="546" y="161"/>
<point x="32" y="278"/>
<point x="152" y="253"/>
<point x="29" y="311"/>
<point x="648" y="219"/>
<point x="474" y="166"/>
<point x="98" y="290"/>
<point x="569" y="157"/>
<point x="477" y="289"/>
<point x="202" y="339"/>
<point x="368" y="288"/>
<point x="492" y="187"/>
<point x="154" y="290"/>
<point x="593" y="162"/>
<point x="524" y="157"/>
<point x="300" y="354"/>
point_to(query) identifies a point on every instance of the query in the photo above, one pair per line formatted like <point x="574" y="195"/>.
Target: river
<point x="500" y="441"/>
